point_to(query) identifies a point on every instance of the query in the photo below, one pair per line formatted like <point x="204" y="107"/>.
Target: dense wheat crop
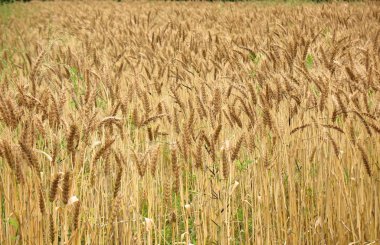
<point x="179" y="123"/>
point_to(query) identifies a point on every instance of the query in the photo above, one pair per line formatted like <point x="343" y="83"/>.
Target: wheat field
<point x="189" y="123"/>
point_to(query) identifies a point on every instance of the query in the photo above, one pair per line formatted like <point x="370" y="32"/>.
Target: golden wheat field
<point x="189" y="123"/>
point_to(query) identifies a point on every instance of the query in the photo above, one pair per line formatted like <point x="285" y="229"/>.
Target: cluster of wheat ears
<point x="184" y="123"/>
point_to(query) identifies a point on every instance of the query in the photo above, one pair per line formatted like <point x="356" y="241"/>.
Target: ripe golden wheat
<point x="179" y="123"/>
